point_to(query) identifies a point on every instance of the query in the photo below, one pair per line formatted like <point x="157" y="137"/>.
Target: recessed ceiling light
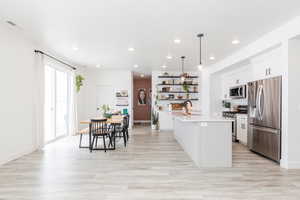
<point x="98" y="66"/>
<point x="235" y="41"/>
<point x="164" y="66"/>
<point x="169" y="57"/>
<point x="177" y="41"/>
<point x="135" y="66"/>
<point x="142" y="75"/>
<point x="131" y="49"/>
<point x="212" y="58"/>
<point x="75" y="48"/>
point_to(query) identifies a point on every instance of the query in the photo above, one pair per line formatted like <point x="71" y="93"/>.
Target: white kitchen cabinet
<point x="242" y="128"/>
<point x="267" y="65"/>
<point x="165" y="120"/>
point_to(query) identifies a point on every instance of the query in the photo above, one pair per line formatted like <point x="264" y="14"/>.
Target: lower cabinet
<point x="242" y="125"/>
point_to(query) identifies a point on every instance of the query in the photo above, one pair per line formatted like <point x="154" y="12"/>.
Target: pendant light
<point x="200" y="36"/>
<point x="183" y="75"/>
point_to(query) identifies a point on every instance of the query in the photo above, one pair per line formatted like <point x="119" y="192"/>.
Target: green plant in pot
<point x="79" y="82"/>
<point x="155" y="119"/>
<point x="186" y="88"/>
<point x="106" y="111"/>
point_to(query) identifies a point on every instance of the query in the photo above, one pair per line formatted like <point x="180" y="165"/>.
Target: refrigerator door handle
<point x="258" y="101"/>
<point x="261" y="105"/>
<point x="275" y="131"/>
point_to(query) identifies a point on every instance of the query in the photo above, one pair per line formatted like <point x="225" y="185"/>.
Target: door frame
<point x="60" y="69"/>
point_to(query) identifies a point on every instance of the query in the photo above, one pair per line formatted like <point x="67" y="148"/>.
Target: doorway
<point x="142" y="94"/>
<point x="57" y="101"/>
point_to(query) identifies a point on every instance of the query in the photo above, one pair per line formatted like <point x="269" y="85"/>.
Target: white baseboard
<point x="283" y="163"/>
<point x="142" y="121"/>
<point x="18" y="155"/>
<point x="293" y="165"/>
<point x="289" y="164"/>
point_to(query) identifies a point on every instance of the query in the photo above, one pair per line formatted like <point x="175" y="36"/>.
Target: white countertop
<point x="202" y="118"/>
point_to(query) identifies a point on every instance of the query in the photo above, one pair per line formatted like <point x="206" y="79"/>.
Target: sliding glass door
<point x="57" y="101"/>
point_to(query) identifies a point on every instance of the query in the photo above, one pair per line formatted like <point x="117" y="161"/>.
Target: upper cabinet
<point x="267" y="65"/>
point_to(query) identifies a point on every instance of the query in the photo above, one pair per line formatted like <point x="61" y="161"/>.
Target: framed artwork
<point x="122" y="98"/>
<point x="142" y="96"/>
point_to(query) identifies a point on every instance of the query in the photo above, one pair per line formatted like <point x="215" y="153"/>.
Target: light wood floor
<point x="153" y="166"/>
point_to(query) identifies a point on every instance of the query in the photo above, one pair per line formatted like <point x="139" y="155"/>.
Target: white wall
<point x="16" y="101"/>
<point x="293" y="150"/>
<point x="117" y="79"/>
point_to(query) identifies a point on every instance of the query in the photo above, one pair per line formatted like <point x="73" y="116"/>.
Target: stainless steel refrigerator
<point x="264" y="112"/>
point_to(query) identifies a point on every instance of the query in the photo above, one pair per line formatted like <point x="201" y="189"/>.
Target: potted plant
<point x="79" y="82"/>
<point x="105" y="111"/>
<point x="226" y="105"/>
<point x="186" y="88"/>
<point x="155" y="120"/>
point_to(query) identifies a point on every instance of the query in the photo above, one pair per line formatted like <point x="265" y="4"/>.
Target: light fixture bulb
<point x="135" y="66"/>
<point x="98" y="66"/>
<point x="169" y="57"/>
<point x="200" y="67"/>
<point x="164" y="66"/>
<point x="142" y="75"/>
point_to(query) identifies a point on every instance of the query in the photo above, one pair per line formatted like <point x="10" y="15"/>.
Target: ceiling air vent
<point x="11" y="23"/>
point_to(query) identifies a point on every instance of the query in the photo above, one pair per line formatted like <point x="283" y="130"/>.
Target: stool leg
<point x="124" y="137"/>
<point x="104" y="143"/>
<point x="80" y="140"/>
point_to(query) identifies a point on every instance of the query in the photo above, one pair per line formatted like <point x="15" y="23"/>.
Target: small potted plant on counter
<point x="155" y="120"/>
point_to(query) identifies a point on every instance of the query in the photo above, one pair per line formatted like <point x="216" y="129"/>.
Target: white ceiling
<point x="103" y="30"/>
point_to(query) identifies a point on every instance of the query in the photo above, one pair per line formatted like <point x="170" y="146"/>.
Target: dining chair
<point x="122" y="131"/>
<point x="99" y="128"/>
<point x="126" y="126"/>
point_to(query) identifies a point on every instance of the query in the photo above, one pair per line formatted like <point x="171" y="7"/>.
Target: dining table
<point x="114" y="121"/>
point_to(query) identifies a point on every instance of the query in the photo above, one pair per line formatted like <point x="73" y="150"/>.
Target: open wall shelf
<point x="179" y="92"/>
<point x="177" y="99"/>
<point x="188" y="77"/>
<point x="177" y="84"/>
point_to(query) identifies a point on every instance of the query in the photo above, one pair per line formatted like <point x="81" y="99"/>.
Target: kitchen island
<point x="207" y="140"/>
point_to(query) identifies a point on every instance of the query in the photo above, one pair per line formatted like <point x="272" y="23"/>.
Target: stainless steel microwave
<point x="238" y="92"/>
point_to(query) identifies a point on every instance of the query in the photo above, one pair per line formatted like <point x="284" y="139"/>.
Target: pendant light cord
<point x="200" y="35"/>
<point x="200" y="51"/>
